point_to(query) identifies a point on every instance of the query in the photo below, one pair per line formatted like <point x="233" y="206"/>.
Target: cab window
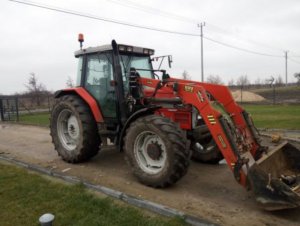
<point x="79" y="71"/>
<point x="138" y="62"/>
<point x="99" y="73"/>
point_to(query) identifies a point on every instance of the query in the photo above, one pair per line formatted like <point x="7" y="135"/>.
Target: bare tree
<point x="243" y="81"/>
<point x="35" y="88"/>
<point x="70" y="82"/>
<point x="257" y="81"/>
<point x="279" y="81"/>
<point x="297" y="76"/>
<point x="186" y="76"/>
<point x="231" y="82"/>
<point x="214" y="79"/>
<point x="270" y="81"/>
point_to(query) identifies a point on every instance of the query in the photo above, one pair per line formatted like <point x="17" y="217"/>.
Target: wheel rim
<point x="68" y="129"/>
<point x="150" y="152"/>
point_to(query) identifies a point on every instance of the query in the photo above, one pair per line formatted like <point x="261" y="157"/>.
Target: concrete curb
<point x="284" y="133"/>
<point x="279" y="130"/>
<point x="141" y="203"/>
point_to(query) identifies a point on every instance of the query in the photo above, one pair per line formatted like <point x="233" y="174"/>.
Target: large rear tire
<point x="74" y="130"/>
<point x="206" y="152"/>
<point x="204" y="148"/>
<point x="157" y="150"/>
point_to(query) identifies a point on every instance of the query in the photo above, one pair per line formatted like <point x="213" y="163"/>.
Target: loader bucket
<point x="275" y="178"/>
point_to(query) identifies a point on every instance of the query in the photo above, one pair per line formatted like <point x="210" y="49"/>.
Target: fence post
<point x="8" y="110"/>
<point x="242" y="94"/>
<point x="17" y="108"/>
<point x="274" y="94"/>
<point x="49" y="103"/>
<point x="1" y="110"/>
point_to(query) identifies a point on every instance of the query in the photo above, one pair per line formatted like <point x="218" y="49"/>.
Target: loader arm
<point x="241" y="119"/>
<point x="219" y="128"/>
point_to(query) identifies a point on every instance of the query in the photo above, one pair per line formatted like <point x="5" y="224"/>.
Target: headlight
<point x="146" y="51"/>
<point x="121" y="48"/>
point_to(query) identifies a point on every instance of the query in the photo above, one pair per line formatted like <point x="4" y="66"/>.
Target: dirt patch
<point x="246" y="96"/>
<point x="207" y="191"/>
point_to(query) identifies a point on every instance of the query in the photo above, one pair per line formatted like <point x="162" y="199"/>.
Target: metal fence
<point x="267" y="94"/>
<point x="13" y="107"/>
<point x="9" y="108"/>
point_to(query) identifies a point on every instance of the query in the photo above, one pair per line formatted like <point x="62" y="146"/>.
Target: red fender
<point x="87" y="98"/>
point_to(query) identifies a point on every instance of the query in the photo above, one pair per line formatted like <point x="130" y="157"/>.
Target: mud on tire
<point x="157" y="150"/>
<point x="73" y="129"/>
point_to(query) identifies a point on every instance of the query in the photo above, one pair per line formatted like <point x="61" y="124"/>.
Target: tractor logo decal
<point x="189" y="89"/>
<point x="222" y="141"/>
<point x="211" y="119"/>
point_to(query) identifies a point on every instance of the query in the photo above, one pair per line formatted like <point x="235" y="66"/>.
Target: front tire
<point x="74" y="130"/>
<point x="157" y="150"/>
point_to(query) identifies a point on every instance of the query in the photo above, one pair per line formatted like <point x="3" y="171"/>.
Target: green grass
<point x="275" y="116"/>
<point x="264" y="116"/>
<point x="25" y="196"/>
<point x="39" y="119"/>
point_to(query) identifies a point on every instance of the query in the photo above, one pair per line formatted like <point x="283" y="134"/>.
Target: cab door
<point x="98" y="76"/>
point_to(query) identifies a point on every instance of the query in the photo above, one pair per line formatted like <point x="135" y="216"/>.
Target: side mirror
<point x="170" y="60"/>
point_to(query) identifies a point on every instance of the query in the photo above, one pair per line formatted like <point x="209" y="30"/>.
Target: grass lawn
<point x="278" y="116"/>
<point x="40" y="119"/>
<point x="25" y="196"/>
<point x="264" y="116"/>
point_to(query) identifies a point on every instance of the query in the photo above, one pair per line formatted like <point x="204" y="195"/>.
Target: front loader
<point x="161" y="122"/>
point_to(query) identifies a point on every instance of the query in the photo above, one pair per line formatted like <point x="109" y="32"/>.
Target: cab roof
<point x="122" y="49"/>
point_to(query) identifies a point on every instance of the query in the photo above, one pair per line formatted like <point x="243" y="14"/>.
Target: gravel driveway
<point x="207" y="191"/>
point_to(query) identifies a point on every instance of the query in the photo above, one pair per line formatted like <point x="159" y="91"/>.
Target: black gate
<point x="9" y="108"/>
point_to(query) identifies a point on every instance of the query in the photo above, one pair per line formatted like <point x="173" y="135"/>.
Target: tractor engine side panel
<point x="180" y="116"/>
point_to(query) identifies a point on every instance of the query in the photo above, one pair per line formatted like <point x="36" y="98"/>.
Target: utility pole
<point x="200" y="25"/>
<point x="272" y="84"/>
<point x="286" y="72"/>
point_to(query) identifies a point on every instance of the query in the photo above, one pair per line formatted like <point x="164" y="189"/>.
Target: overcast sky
<point x="42" y="41"/>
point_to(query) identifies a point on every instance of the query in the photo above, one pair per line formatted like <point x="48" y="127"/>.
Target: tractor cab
<point x="99" y="74"/>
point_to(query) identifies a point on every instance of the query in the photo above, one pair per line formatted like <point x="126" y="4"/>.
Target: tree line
<point x="243" y="80"/>
<point x="37" y="91"/>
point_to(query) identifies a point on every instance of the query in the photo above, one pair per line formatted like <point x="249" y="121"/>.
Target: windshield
<point x="137" y="62"/>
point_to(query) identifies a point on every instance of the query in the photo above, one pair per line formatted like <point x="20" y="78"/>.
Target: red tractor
<point x="160" y="123"/>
